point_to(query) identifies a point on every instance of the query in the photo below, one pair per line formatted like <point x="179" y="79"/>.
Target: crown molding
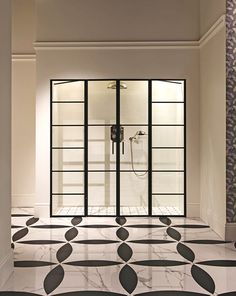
<point x="214" y="29"/>
<point x="116" y="45"/>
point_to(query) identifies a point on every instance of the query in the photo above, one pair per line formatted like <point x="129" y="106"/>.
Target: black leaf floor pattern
<point x="119" y="256"/>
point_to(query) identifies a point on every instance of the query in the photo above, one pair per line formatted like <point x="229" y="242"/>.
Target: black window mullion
<point x="185" y="154"/>
<point x="118" y="148"/>
<point x="150" y="148"/>
<point x="51" y="98"/>
<point x="86" y="148"/>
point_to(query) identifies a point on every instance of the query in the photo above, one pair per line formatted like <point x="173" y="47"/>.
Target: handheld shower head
<point x="138" y="133"/>
<point x="141" y="133"/>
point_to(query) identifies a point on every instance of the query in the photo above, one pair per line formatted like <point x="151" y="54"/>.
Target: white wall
<point x="23" y="132"/>
<point x="116" y="63"/>
<point x="212" y="131"/>
<point x="112" y="20"/>
<point x="23" y="103"/>
<point x="6" y="258"/>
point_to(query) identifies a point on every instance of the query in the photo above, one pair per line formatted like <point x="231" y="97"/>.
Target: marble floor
<point x="129" y="211"/>
<point x="118" y="256"/>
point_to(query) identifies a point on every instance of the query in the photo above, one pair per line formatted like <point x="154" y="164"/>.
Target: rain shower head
<point x="112" y="85"/>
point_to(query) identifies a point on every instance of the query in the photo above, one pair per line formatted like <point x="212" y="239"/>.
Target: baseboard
<point x="42" y="210"/>
<point x="6" y="268"/>
<point x="193" y="210"/>
<point x="230" y="231"/>
<point x="23" y="200"/>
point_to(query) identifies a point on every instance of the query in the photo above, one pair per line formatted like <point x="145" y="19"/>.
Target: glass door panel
<point x="134" y="102"/>
<point x="101" y="149"/>
<point x="134" y="148"/>
<point x="101" y="193"/>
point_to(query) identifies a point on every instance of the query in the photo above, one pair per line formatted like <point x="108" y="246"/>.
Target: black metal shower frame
<point x="117" y="171"/>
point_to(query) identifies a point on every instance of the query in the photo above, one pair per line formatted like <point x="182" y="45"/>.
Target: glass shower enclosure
<point x="118" y="148"/>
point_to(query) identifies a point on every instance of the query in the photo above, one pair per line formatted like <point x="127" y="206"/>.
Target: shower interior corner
<point x="117" y="148"/>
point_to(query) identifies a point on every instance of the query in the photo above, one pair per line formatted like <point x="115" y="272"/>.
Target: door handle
<point x="123" y="147"/>
<point x="112" y="147"/>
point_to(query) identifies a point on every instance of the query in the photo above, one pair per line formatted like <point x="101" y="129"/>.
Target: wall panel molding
<point x="23" y="57"/>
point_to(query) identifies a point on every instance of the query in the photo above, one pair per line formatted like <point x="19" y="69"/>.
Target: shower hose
<point x="132" y="161"/>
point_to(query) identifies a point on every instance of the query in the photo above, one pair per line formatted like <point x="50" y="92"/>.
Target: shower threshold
<point x="126" y="211"/>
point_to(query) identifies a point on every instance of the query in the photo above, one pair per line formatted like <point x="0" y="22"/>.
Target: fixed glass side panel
<point x="167" y="90"/>
<point x="102" y="193"/>
<point x="168" y="182"/>
<point x="101" y="103"/>
<point x="67" y="148"/>
<point x="133" y="193"/>
<point x="67" y="182"/>
<point x="168" y="113"/>
<point x="168" y="159"/>
<point x="168" y="136"/>
<point x="134" y="102"/>
<point x="68" y="113"/>
<point x="168" y="205"/>
<point x="68" y="136"/>
<point x="68" y="90"/>
<point x="68" y="205"/>
<point x="67" y="159"/>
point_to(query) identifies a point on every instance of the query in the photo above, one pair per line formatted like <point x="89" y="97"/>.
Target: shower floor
<point x="104" y="211"/>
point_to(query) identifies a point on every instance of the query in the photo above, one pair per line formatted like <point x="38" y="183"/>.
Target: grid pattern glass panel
<point x="168" y="113"/>
<point x="167" y="90"/>
<point x="67" y="154"/>
<point x="168" y="159"/>
<point x="102" y="193"/>
<point x="140" y="170"/>
<point x="168" y="151"/>
<point x="168" y="136"/>
<point x="68" y="113"/>
<point x="67" y="159"/>
<point x="68" y="90"/>
<point x="68" y="136"/>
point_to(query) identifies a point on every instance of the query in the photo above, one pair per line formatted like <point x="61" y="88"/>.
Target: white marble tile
<point x="106" y="278"/>
<point x="166" y="278"/>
